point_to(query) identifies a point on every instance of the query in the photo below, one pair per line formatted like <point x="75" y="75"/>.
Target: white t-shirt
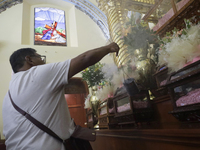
<point x="40" y="92"/>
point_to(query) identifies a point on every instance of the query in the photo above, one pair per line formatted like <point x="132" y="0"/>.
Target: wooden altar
<point x="165" y="133"/>
<point x="174" y="127"/>
<point x="155" y="139"/>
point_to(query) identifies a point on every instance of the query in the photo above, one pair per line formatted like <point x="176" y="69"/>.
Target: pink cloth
<point x="123" y="108"/>
<point x="110" y="95"/>
<point x="111" y="110"/>
<point x="194" y="60"/>
<point x="163" y="20"/>
<point x="136" y="104"/>
<point x="192" y="97"/>
<point x="169" y="14"/>
<point x="103" y="111"/>
<point x="140" y="104"/>
<point x="121" y="85"/>
<point x="90" y="120"/>
<point x="174" y="77"/>
<point x="181" y="4"/>
<point x="163" y="82"/>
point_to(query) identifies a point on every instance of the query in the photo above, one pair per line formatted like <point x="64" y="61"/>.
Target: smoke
<point x="109" y="70"/>
<point x="118" y="79"/>
<point x="105" y="92"/>
<point x="115" y="79"/>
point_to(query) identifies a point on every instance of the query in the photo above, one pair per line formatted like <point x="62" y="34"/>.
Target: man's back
<point x="40" y="92"/>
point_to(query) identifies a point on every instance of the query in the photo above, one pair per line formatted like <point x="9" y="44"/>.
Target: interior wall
<point x="25" y="24"/>
<point x="10" y="39"/>
<point x="17" y="32"/>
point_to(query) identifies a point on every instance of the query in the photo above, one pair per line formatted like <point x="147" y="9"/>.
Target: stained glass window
<point x="50" y="28"/>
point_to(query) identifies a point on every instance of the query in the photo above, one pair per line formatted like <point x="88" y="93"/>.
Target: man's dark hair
<point x="18" y="57"/>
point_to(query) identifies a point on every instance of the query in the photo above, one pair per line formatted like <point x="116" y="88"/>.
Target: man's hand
<point x="90" y="57"/>
<point x="113" y="47"/>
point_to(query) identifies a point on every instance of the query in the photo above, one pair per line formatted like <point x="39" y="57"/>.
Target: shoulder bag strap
<point x="34" y="121"/>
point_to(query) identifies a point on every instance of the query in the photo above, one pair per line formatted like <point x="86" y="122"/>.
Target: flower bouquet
<point x="180" y="48"/>
<point x="141" y="45"/>
<point x="137" y="35"/>
<point x="93" y="75"/>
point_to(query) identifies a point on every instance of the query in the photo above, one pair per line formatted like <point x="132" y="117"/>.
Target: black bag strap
<point x="36" y="122"/>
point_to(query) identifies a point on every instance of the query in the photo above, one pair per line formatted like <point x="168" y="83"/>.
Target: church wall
<point x="10" y="39"/>
<point x="17" y="32"/>
<point x="25" y="32"/>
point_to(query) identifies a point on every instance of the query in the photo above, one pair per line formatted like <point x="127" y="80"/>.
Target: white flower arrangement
<point x="182" y="47"/>
<point x="87" y="102"/>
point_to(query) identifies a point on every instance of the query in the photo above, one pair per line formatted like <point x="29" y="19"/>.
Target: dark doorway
<point x="75" y="93"/>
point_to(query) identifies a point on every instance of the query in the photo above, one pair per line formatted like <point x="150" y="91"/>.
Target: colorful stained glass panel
<point x="50" y="28"/>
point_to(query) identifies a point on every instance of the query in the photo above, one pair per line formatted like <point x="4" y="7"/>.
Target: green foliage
<point x="139" y="37"/>
<point x="39" y="30"/>
<point x="188" y="23"/>
<point x="93" y="75"/>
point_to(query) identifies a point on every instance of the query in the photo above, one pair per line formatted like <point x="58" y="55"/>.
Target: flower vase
<point x="94" y="101"/>
<point x="145" y="67"/>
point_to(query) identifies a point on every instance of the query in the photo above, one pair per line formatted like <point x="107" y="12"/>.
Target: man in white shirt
<point x="38" y="89"/>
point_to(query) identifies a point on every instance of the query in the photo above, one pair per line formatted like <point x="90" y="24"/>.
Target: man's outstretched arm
<point x="90" y="57"/>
